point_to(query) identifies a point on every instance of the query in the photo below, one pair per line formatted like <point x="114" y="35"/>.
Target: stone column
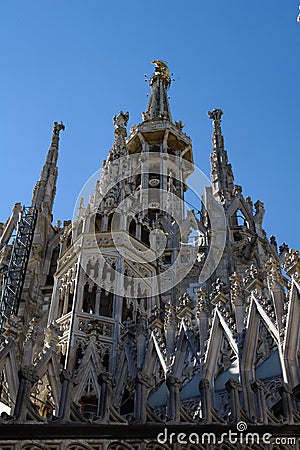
<point x="97" y="301"/>
<point x="237" y="298"/>
<point x="202" y="314"/>
<point x="206" y="403"/>
<point x="143" y="383"/>
<point x="29" y="342"/>
<point x="173" y="404"/>
<point x="65" y="398"/>
<point x="27" y="376"/>
<point x="104" y="223"/>
<point x="66" y="301"/>
<point x="259" y="388"/>
<point x="234" y="388"/>
<point x="287" y="402"/>
<point x="107" y="383"/>
<point x="141" y="335"/>
<point x="54" y="310"/>
<point x="138" y="232"/>
<point x="170" y="327"/>
<point x="275" y="285"/>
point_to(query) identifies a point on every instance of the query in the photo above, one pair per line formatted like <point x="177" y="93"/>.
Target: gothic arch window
<point x="226" y="364"/>
<point x="69" y="241"/>
<point x="145" y="235"/>
<point x="53" y="265"/>
<point x="89" y="406"/>
<point x="127" y="310"/>
<point x="70" y="302"/>
<point x="79" y="228"/>
<point x="42" y="396"/>
<point x="132" y="228"/>
<point x="89" y="299"/>
<point x="106" y="303"/>
<point x="238" y="219"/>
<point x="98" y="222"/>
<point x="109" y="221"/>
<point x="60" y="307"/>
<point x="105" y="361"/>
<point x="89" y="396"/>
<point x="127" y="403"/>
<point x="241" y="220"/>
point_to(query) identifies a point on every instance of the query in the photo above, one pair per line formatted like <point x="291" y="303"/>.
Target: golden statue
<point x="162" y="70"/>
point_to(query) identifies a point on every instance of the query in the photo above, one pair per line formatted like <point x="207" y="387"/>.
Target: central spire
<point x="158" y="106"/>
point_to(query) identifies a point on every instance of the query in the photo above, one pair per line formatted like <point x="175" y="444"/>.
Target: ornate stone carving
<point x="291" y="263"/>
<point x="203" y="302"/>
<point x="28" y="373"/>
<point x="121" y="120"/>
<point x="273" y="272"/>
<point x="236" y="287"/>
<point x="150" y="350"/>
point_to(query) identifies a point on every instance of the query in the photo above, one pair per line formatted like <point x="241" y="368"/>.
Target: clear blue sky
<point x="84" y="61"/>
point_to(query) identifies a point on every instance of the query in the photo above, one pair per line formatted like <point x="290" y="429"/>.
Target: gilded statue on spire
<point x="161" y="69"/>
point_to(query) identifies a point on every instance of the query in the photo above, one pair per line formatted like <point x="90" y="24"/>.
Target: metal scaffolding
<point x="14" y="279"/>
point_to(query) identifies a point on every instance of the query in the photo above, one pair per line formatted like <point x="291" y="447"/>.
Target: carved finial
<point x="236" y="286"/>
<point x="119" y="146"/>
<point x="217" y="137"/>
<point x="161" y="69"/>
<point x="203" y="302"/>
<point x="216" y="115"/>
<point x="273" y="271"/>
<point x="170" y="314"/>
<point x="121" y="120"/>
<point x="57" y="127"/>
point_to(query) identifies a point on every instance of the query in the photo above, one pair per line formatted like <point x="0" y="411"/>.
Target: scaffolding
<point x="14" y="278"/>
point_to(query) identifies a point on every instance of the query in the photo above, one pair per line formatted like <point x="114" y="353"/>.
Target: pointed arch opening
<point x="106" y="303"/>
<point x="98" y="223"/>
<point x="42" y="397"/>
<point x="238" y="219"/>
<point x="89" y="399"/>
<point x="53" y="265"/>
<point x="89" y="298"/>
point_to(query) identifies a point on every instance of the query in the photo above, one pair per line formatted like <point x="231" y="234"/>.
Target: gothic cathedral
<point x="146" y="323"/>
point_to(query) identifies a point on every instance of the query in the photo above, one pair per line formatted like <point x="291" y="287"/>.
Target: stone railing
<point x="64" y="323"/>
<point x="87" y="323"/>
<point x="102" y="326"/>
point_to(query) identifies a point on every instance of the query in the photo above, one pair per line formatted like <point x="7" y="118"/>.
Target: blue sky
<point x="84" y="61"/>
